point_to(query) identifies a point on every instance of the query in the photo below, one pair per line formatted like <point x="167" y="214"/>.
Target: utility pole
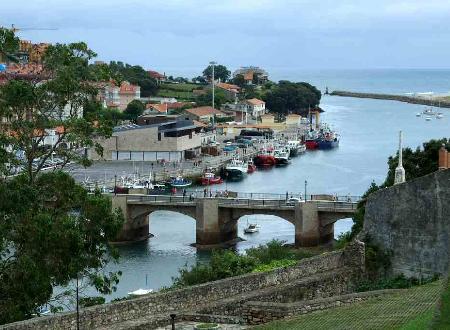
<point x="212" y="63"/>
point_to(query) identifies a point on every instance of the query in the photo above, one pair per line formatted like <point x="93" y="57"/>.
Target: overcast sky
<point x="183" y="35"/>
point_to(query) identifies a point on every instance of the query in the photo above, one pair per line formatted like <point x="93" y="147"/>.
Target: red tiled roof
<point x="204" y="111"/>
<point x="229" y="87"/>
<point x="155" y="74"/>
<point x="255" y="101"/>
<point x="127" y="88"/>
<point x="162" y="108"/>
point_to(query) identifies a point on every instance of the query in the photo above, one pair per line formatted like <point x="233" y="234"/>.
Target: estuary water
<point x="369" y="134"/>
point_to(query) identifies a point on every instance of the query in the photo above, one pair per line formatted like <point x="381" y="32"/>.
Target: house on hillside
<point x="160" y="78"/>
<point x="256" y="107"/>
<point x="253" y="75"/>
<point x="114" y="96"/>
<point x="204" y="114"/>
<point x="232" y="91"/>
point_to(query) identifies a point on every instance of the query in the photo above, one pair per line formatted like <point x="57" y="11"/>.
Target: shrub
<point x="274" y="250"/>
<point x="274" y="264"/>
<point x="398" y="282"/>
<point x="91" y="301"/>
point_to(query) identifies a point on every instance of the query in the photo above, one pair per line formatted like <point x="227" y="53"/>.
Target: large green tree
<point x="134" y="109"/>
<point x="134" y="74"/>
<point x="51" y="233"/>
<point x="51" y="230"/>
<point x="220" y="72"/>
<point x="206" y="99"/>
<point x="31" y="110"/>
<point x="290" y="97"/>
<point x="9" y="45"/>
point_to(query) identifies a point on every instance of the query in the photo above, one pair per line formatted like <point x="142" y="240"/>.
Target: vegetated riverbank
<point x="444" y="103"/>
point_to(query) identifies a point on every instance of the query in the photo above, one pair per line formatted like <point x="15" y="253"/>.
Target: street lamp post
<point x="213" y="64"/>
<point x="306" y="184"/>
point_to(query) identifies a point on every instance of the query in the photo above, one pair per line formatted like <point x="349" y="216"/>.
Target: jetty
<point x="395" y="97"/>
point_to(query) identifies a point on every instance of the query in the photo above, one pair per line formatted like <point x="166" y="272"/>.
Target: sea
<point x="369" y="135"/>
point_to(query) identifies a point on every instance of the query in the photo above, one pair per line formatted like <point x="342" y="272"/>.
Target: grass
<point x="177" y="94"/>
<point x="442" y="316"/>
<point x="411" y="309"/>
<point x="180" y="87"/>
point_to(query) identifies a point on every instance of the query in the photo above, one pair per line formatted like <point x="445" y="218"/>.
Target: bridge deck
<point x="323" y="206"/>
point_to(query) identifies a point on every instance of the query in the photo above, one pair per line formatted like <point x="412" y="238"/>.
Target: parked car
<point x="292" y="201"/>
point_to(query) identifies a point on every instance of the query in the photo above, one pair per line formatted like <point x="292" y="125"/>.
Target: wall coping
<point x="319" y="301"/>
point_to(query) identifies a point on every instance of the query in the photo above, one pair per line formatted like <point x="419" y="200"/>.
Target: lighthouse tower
<point x="399" y="171"/>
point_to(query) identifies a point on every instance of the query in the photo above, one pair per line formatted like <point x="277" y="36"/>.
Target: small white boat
<point x="418" y="114"/>
<point x="427" y="118"/>
<point x="251" y="228"/>
<point x="439" y="115"/>
<point x="140" y="292"/>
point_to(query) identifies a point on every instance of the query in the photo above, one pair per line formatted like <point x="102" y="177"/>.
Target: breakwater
<point x="392" y="97"/>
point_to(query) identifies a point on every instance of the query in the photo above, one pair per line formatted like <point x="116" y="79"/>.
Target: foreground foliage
<point x="50" y="233"/>
<point x="227" y="263"/>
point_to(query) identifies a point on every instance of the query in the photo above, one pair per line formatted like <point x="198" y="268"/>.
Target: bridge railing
<point x="176" y="199"/>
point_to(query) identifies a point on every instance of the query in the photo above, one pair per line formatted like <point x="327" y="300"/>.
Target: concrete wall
<point x="155" y="308"/>
<point x="412" y="221"/>
<point x="146" y="139"/>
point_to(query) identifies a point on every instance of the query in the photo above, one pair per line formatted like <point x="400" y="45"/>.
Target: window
<point x="190" y="135"/>
<point x="159" y="136"/>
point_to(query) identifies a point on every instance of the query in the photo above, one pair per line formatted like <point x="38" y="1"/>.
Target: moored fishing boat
<point x="180" y="182"/>
<point x="251" y="167"/>
<point x="236" y="169"/>
<point x="265" y="158"/>
<point x="294" y="147"/>
<point x="281" y="156"/>
<point x="209" y="178"/>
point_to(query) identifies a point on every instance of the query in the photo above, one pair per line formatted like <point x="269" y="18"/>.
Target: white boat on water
<point x="281" y="156"/>
<point x="440" y="115"/>
<point x="251" y="228"/>
<point x="236" y="168"/>
<point x="418" y="114"/>
<point x="427" y="118"/>
<point x="140" y="292"/>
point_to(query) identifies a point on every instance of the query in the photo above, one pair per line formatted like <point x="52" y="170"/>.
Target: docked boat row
<point x="322" y="139"/>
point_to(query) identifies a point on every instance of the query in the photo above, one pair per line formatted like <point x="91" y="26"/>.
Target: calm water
<point x="369" y="130"/>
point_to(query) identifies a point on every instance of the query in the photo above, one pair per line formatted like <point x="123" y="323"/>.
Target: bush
<point x="91" y="301"/>
<point x="274" y="264"/>
<point x="398" y="282"/>
<point x="228" y="263"/>
<point x="274" y="250"/>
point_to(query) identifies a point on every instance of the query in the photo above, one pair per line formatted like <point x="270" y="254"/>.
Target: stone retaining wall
<point x="258" y="312"/>
<point x="158" y="305"/>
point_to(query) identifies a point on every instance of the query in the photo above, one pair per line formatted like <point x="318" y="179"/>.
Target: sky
<point x="180" y="37"/>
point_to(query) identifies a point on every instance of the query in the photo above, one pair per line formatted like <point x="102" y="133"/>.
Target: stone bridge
<point x="217" y="218"/>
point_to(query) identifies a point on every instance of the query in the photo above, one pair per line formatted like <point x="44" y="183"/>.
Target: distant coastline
<point x="443" y="101"/>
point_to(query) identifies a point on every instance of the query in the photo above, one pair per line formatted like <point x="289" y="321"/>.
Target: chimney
<point x="443" y="158"/>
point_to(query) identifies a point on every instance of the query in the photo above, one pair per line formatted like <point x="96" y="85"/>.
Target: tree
<point x="134" y="109"/>
<point x="206" y="99"/>
<point x="239" y="80"/>
<point x="33" y="108"/>
<point x="134" y="74"/>
<point x="51" y="232"/>
<point x="9" y="45"/>
<point x="199" y="80"/>
<point x="289" y="97"/>
<point x="220" y="72"/>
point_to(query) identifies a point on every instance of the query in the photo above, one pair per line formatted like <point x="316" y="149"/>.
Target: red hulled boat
<point x="209" y="178"/>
